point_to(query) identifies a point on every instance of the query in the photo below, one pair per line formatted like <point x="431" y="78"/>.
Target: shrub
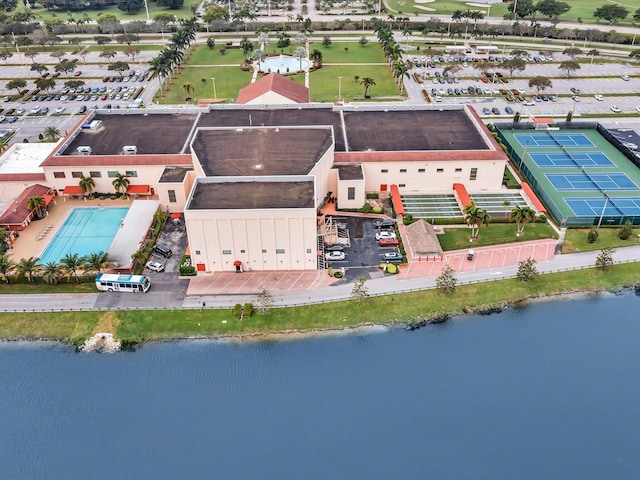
<point x="337" y="275"/>
<point x="625" y="232"/>
<point x="366" y="208"/>
<point x="592" y="236"/>
<point x="377" y="209"/>
<point x="248" y="309"/>
<point x="237" y="310"/>
<point x="187" y="271"/>
<point x="392" y="269"/>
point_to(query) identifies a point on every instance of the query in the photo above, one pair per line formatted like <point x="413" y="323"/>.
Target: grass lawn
<point x="143" y="47"/>
<point x="323" y="83"/>
<point x="370" y="53"/>
<point x="202" y="55"/>
<point x="154" y="9"/>
<point x="582" y="9"/>
<point x="229" y="80"/>
<point x="43" y="288"/>
<point x="154" y="325"/>
<point x="575" y="240"/>
<point x="495" y="234"/>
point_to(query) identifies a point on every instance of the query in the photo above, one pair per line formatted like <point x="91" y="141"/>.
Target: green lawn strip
<point x="495" y="234"/>
<point x="369" y="53"/>
<point x="202" y="55"/>
<point x="229" y="80"/>
<point x="575" y="240"/>
<point x="399" y="308"/>
<point x="43" y="14"/>
<point x="323" y="83"/>
<point x="43" y="288"/>
<point x="143" y="47"/>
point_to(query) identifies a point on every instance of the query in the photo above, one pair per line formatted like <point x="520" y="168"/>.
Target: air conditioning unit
<point x="130" y="149"/>
<point x="84" y="150"/>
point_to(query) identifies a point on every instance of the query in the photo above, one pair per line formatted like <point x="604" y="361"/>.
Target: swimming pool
<point x="86" y="230"/>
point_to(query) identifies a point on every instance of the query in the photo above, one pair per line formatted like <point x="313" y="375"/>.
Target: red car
<point x="77" y="73"/>
<point x="388" y="242"/>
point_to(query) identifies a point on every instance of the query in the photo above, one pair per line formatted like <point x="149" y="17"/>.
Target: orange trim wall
<point x="462" y="194"/>
<point x="532" y="196"/>
<point x="397" y="201"/>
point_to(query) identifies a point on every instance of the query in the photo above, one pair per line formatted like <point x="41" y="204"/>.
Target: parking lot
<point x="364" y="251"/>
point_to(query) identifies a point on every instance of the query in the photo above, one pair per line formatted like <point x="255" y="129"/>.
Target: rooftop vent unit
<point x="130" y="149"/>
<point x="84" y="150"/>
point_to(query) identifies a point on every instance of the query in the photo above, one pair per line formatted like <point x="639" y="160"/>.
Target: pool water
<point x="85" y="231"/>
<point x="283" y="64"/>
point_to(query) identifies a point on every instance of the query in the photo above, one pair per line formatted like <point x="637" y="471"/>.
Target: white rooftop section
<point x="25" y="157"/>
<point x="132" y="232"/>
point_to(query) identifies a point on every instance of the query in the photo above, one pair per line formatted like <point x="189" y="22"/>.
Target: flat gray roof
<point x="174" y="174"/>
<point x="350" y="172"/>
<point x="252" y="195"/>
<point x="260" y="150"/>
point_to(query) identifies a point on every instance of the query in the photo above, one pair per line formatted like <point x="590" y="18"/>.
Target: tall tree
<point x="86" y="184"/>
<point x="26" y="267"/>
<point x="611" y="13"/>
<point x="540" y="83"/>
<point x="569" y="66"/>
<point x="51" y="133"/>
<point x="522" y="216"/>
<point x="367" y="83"/>
<point x="96" y="261"/>
<point x="72" y="262"/>
<point x="7" y="265"/>
<point x="35" y="204"/>
<point x="51" y="272"/>
<point x="17" y="84"/>
<point x="120" y="183"/>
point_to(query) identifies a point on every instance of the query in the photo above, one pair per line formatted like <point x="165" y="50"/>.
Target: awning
<point x="175" y="215"/>
<point x="532" y="196"/>
<point x="48" y="198"/>
<point x="464" y="197"/>
<point x="73" y="190"/>
<point x="397" y="200"/>
<point x="138" y="190"/>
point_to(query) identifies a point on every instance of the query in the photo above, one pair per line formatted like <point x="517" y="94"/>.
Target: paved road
<point x="170" y="293"/>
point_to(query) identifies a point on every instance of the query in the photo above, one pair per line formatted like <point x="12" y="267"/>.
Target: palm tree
<point x="26" y="267"/>
<point x="300" y="53"/>
<point x="36" y="204"/>
<point x="7" y="265"/>
<point x="187" y="88"/>
<point x="367" y="82"/>
<point x="86" y="184"/>
<point x="522" y="216"/>
<point x="316" y="57"/>
<point x="51" y="133"/>
<point x="120" y="182"/>
<point x="71" y="262"/>
<point x="475" y="218"/>
<point x="51" y="272"/>
<point x="96" y="261"/>
<point x="399" y="70"/>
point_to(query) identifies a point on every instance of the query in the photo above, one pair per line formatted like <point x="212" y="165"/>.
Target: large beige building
<point x="251" y="180"/>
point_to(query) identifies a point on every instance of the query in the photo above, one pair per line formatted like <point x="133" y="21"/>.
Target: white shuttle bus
<point x="114" y="282"/>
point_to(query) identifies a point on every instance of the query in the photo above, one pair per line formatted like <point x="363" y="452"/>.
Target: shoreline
<point x="366" y="327"/>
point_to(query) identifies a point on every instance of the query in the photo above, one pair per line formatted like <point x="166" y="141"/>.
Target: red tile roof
<point x="22" y="177"/>
<point x="274" y="82"/>
<point x="116" y="160"/>
<point x="18" y="212"/>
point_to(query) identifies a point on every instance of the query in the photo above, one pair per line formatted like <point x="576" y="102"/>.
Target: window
<point x="384" y="170"/>
<point x="351" y="193"/>
<point x="421" y="170"/>
<point x="226" y="252"/>
<point x="264" y="250"/>
<point x="95" y="174"/>
<point x="172" y="196"/>
<point x="458" y="170"/>
<point x="77" y="174"/>
<point x="279" y="250"/>
<point x="131" y="173"/>
<point x="308" y="250"/>
<point x="197" y="252"/>
<point x="403" y="170"/>
<point x="112" y="173"/>
<point x="473" y="174"/>
<point x="440" y="170"/>
<point x="401" y="185"/>
<point x="243" y="251"/>
<point x="59" y="175"/>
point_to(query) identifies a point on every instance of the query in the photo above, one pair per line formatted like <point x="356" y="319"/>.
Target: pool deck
<point x="28" y="245"/>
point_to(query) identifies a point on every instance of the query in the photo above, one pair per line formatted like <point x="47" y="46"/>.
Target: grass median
<point x="143" y="325"/>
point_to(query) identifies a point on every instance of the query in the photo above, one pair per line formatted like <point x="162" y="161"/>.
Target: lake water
<point x="549" y="391"/>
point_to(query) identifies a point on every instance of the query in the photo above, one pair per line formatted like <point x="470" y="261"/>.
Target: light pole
<point x="213" y="82"/>
<point x="339" y="88"/>
<point x="146" y="7"/>
<point x="603" y="208"/>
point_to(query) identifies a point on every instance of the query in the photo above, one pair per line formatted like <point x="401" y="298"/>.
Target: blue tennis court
<point x="596" y="181"/>
<point x="547" y="139"/>
<point x="582" y="159"/>
<point x="593" y="207"/>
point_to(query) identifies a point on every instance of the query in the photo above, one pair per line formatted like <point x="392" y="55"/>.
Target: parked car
<point x="58" y="110"/>
<point x="334" y="256"/>
<point x="509" y="110"/>
<point x="615" y="109"/>
<point x="575" y="90"/>
<point x="77" y="73"/>
<point x="393" y="257"/>
<point x="486" y="111"/>
<point x="599" y="98"/>
<point x="384" y="234"/>
<point x="388" y="242"/>
<point x="625" y="78"/>
<point x="334" y="248"/>
<point x="155" y="266"/>
<point x="495" y="111"/>
<point x="384" y="223"/>
<point x="82" y="109"/>
<point x="162" y="250"/>
<point x="575" y="98"/>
